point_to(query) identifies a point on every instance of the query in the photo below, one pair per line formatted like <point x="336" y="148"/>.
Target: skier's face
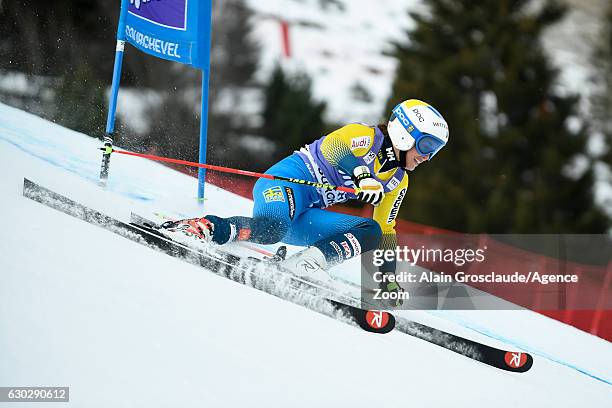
<point x="414" y="158"/>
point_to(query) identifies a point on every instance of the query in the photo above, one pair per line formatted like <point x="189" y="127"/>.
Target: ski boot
<point x="278" y="257"/>
<point x="308" y="263"/>
<point x="188" y="230"/>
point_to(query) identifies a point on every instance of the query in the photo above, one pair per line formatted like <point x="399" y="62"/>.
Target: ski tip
<point x="373" y="321"/>
<point x="379" y="321"/>
<point x="517" y="361"/>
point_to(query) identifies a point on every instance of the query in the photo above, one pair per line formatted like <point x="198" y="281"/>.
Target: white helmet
<point x="417" y="123"/>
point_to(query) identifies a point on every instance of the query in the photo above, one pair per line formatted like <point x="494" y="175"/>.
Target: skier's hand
<point x="369" y="189"/>
<point x="395" y="292"/>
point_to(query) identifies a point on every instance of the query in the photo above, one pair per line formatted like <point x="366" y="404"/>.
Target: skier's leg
<point x="337" y="236"/>
<point x="333" y="238"/>
<point x="277" y="204"/>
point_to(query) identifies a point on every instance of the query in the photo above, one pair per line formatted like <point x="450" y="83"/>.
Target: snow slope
<point x="338" y="47"/>
<point x="125" y="326"/>
<point x="342" y="46"/>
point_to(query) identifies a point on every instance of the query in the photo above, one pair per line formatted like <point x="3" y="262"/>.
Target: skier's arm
<point x="342" y="147"/>
<point x="385" y="215"/>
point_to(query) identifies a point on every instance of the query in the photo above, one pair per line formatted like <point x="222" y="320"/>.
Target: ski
<point x="297" y="291"/>
<point x="370" y="320"/>
<point x="506" y="360"/>
<point x="513" y="361"/>
<point x="222" y="263"/>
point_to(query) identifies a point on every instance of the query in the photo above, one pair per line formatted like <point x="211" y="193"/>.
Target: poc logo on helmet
<point x="418" y="115"/>
<point x="399" y="113"/>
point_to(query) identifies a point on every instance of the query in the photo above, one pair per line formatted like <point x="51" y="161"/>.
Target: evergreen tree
<point x="51" y="37"/>
<point x="291" y="116"/>
<point x="176" y="128"/>
<point x="602" y="98"/>
<point x="509" y="165"/>
<point x="234" y="58"/>
<point x="234" y="52"/>
<point x="175" y="123"/>
<point x="80" y="103"/>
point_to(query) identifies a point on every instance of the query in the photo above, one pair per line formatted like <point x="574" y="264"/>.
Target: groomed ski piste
<point x="126" y="326"/>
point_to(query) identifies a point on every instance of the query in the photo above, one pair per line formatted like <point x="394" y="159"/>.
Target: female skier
<point x="372" y="159"/>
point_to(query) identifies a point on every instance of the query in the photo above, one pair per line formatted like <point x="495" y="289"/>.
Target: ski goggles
<point x="425" y="143"/>
<point x="428" y="145"/>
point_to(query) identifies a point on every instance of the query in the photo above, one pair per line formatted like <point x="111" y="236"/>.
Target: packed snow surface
<point x="123" y="325"/>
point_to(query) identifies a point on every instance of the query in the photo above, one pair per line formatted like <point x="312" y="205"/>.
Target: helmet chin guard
<point x="415" y="123"/>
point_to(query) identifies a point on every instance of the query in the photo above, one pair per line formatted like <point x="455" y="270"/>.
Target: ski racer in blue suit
<point x="372" y="159"/>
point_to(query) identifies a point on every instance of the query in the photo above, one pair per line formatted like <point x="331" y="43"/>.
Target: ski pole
<point x="109" y="150"/>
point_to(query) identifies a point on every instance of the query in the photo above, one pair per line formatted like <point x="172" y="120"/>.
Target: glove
<point x="395" y="292"/>
<point x="369" y="189"/>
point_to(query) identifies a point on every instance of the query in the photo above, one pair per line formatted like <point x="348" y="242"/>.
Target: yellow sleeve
<point x="341" y="146"/>
<point x="385" y="215"/>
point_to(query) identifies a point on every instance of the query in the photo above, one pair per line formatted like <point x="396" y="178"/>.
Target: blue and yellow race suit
<point x="293" y="213"/>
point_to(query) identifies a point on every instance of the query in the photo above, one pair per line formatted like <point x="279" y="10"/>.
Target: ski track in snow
<point x="572" y="362"/>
